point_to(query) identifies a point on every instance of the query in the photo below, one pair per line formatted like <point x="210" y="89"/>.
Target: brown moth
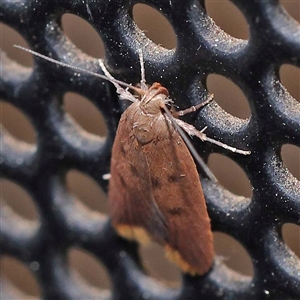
<point x="154" y="187"/>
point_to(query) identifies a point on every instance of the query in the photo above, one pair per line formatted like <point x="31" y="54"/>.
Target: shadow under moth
<point x="154" y="187"/>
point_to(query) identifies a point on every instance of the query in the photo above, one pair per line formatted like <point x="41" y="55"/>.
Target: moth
<point x="154" y="187"/>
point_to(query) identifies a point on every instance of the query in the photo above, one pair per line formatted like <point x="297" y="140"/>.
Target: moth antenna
<point x="143" y="76"/>
<point x="190" y="146"/>
<point x="57" y="62"/>
<point x="124" y="93"/>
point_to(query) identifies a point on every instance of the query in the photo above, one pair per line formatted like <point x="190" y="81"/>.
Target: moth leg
<point x="193" y="108"/>
<point x="192" y="131"/>
<point x="143" y="77"/>
<point x="188" y="143"/>
<point x="124" y="93"/>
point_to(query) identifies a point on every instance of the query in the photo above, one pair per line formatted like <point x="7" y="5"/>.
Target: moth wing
<point x="178" y="193"/>
<point x="132" y="205"/>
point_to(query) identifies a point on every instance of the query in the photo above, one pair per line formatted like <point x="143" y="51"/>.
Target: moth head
<point x="155" y="99"/>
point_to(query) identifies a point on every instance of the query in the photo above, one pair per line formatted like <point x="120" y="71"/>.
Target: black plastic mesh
<point x="201" y="49"/>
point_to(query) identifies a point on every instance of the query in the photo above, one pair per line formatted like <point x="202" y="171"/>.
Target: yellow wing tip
<point x="139" y="234"/>
<point x="134" y="233"/>
<point x="174" y="256"/>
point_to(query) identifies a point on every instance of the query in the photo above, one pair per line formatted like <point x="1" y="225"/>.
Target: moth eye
<point x="169" y="104"/>
<point x="170" y="107"/>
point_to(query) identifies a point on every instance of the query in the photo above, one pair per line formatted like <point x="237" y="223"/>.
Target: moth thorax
<point x="154" y="105"/>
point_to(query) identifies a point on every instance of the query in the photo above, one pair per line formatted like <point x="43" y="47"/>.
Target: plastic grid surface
<point x="202" y="48"/>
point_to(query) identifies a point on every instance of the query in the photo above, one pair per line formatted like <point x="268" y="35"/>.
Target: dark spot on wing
<point x="175" y="211"/>
<point x="155" y="183"/>
<point x="134" y="170"/>
<point x="123" y="150"/>
<point x="123" y="182"/>
<point x="173" y="178"/>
